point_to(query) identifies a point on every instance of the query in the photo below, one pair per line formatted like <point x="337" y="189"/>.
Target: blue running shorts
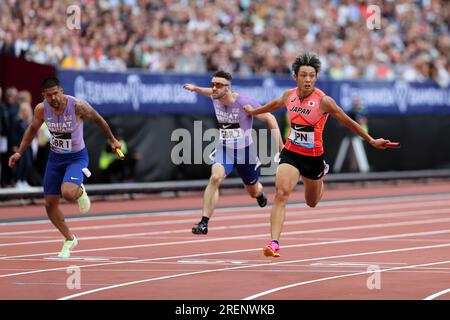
<point x="64" y="167"/>
<point x="245" y="161"/>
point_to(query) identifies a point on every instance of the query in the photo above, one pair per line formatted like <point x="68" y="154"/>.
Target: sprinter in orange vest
<point x="302" y="156"/>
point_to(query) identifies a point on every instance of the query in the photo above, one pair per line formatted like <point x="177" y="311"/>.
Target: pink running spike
<point x="272" y="250"/>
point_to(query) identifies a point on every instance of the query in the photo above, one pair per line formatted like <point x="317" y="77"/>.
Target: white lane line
<point x="196" y="255"/>
<point x="313" y="231"/>
<point x="298" y="284"/>
<point x="130" y="225"/>
<point x="254" y="225"/>
<point x="80" y="259"/>
<point x="306" y="211"/>
<point x="58" y="283"/>
<point x="84" y="293"/>
<point x="324" y="203"/>
<point x="437" y="294"/>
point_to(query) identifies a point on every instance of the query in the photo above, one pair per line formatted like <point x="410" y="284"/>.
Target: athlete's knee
<point x="313" y="195"/>
<point x="70" y="194"/>
<point x="254" y="192"/>
<point x="216" y="179"/>
<point x="312" y="203"/>
<point x="282" y="194"/>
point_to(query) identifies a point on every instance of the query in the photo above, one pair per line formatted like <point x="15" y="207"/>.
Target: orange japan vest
<point x="307" y="123"/>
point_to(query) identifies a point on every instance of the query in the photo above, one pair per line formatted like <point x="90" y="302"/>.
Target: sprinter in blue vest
<point x="63" y="115"/>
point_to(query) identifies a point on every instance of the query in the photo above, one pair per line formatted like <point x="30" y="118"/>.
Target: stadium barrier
<point x="229" y="183"/>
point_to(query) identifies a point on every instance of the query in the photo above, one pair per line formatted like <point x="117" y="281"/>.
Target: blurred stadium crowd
<point x="246" y="37"/>
<point x="16" y="114"/>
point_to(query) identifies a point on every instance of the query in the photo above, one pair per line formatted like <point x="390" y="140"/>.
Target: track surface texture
<point x="376" y="241"/>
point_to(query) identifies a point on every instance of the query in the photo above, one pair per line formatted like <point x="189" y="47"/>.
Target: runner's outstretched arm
<point x="274" y="105"/>
<point x="202" y="90"/>
<point x="328" y="105"/>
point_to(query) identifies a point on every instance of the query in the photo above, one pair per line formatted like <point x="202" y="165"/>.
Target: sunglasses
<point x="218" y="85"/>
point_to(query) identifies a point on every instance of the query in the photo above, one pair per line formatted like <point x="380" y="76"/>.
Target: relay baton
<point x="392" y="145"/>
<point x="120" y="154"/>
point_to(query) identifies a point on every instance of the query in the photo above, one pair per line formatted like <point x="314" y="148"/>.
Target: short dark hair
<point x="223" y="74"/>
<point x="50" y="82"/>
<point x="306" y="59"/>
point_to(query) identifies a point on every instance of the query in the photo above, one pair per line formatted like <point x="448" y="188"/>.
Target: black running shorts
<point x="309" y="167"/>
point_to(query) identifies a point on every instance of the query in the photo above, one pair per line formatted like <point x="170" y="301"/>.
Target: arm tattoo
<point x="84" y="109"/>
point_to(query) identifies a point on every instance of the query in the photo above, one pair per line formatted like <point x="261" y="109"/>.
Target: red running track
<point x="377" y="242"/>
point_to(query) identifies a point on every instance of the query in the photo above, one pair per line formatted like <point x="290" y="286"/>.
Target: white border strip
<point x="437" y="294"/>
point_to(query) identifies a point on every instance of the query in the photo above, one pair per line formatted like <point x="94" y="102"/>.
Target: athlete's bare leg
<point x="286" y="179"/>
<point x="71" y="191"/>
<point x="211" y="194"/>
<point x="254" y="190"/>
<point x="313" y="191"/>
<point x="56" y="216"/>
